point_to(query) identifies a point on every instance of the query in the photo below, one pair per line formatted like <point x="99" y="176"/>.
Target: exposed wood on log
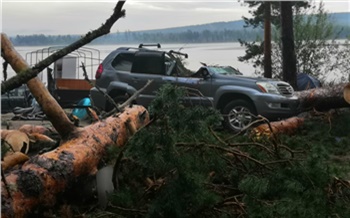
<point x="30" y="129"/>
<point x="288" y="126"/>
<point x="346" y="93"/>
<point x="15" y="140"/>
<point x="13" y="160"/>
<point x="322" y="99"/>
<point x="43" y="177"/>
<point x="29" y="73"/>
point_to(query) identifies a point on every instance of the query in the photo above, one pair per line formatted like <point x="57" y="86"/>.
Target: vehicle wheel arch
<point x="229" y="97"/>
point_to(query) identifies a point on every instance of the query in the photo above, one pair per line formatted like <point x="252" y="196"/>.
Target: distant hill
<point x="217" y="26"/>
<point x="339" y="19"/>
<point x="230" y="31"/>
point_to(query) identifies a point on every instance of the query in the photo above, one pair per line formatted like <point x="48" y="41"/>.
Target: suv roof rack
<point x="148" y="45"/>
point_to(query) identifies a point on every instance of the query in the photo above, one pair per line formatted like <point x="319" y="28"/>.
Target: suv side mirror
<point x="205" y="74"/>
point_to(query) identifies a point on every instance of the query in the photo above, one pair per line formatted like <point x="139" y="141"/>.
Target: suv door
<point x="147" y="65"/>
<point x="198" y="87"/>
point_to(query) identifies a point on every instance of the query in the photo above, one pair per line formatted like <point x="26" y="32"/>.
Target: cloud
<point x="81" y="16"/>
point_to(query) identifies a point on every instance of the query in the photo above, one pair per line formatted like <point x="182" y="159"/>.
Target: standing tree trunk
<point x="346" y="93"/>
<point x="267" y="41"/>
<point x="287" y="38"/>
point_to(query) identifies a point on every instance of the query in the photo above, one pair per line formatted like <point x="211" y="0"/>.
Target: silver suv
<point x="238" y="98"/>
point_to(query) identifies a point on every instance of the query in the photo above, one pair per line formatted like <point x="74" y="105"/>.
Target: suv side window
<point x="123" y="61"/>
<point x="149" y="62"/>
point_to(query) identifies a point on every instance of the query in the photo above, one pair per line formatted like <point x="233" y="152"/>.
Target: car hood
<point x="244" y="78"/>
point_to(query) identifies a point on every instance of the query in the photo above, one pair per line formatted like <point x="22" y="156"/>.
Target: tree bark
<point x="287" y="38"/>
<point x="346" y="93"/>
<point x="288" y="126"/>
<point x="43" y="177"/>
<point x="267" y="41"/>
<point x="323" y="99"/>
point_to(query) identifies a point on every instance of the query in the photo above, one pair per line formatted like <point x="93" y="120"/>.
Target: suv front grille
<point x="285" y="89"/>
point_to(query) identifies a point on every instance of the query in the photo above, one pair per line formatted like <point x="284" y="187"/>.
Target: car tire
<point x="238" y="114"/>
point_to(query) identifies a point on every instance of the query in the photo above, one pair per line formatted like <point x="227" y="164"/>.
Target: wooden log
<point x="288" y="126"/>
<point x="13" y="159"/>
<point x="43" y="177"/>
<point x="323" y="99"/>
<point x="15" y="141"/>
<point x="30" y="129"/>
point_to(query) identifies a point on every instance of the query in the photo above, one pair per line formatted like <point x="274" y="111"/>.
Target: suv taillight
<point x="99" y="71"/>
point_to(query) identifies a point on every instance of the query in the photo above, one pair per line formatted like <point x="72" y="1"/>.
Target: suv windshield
<point x="225" y="70"/>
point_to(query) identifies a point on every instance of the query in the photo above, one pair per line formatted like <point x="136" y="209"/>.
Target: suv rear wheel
<point x="238" y="114"/>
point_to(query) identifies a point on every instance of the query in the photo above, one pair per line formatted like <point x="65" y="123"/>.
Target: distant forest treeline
<point x="188" y="36"/>
<point x="229" y="31"/>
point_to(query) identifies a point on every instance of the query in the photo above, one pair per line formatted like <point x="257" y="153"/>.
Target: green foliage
<point x="301" y="189"/>
<point x="179" y="167"/>
<point x="318" y="53"/>
<point x="255" y="49"/>
<point x="176" y="174"/>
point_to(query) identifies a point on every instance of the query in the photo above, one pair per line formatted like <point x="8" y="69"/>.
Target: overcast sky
<point x="80" y="16"/>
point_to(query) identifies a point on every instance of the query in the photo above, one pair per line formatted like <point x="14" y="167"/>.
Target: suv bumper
<point x="277" y="107"/>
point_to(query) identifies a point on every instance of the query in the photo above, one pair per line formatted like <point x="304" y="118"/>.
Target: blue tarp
<point x="81" y="112"/>
<point x="305" y="81"/>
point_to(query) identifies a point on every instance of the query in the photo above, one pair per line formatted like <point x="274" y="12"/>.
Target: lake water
<point x="209" y="53"/>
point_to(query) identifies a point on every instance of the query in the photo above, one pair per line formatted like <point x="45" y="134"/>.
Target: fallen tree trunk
<point x="323" y="99"/>
<point x="288" y="126"/>
<point x="43" y="177"/>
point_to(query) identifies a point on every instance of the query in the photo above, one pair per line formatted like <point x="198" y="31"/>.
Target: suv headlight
<point x="267" y="87"/>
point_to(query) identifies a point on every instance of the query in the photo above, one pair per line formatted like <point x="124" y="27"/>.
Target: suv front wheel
<point x="238" y="114"/>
